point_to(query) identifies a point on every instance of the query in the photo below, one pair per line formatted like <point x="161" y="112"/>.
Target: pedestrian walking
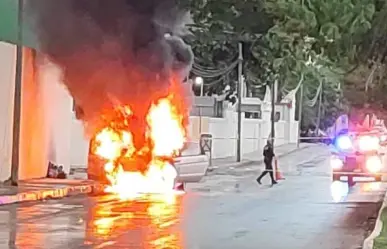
<point x="268" y="156"/>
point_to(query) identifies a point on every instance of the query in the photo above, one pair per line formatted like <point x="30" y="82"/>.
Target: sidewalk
<point x="377" y="239"/>
<point x="41" y="189"/>
<point x="257" y="157"/>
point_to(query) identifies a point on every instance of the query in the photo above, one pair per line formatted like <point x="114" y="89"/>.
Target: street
<point x="226" y="210"/>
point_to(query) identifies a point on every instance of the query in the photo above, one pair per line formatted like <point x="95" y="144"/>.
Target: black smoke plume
<point x="112" y="51"/>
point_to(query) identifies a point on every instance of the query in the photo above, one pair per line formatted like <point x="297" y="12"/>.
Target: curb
<point x="58" y="193"/>
<point x="248" y="163"/>
<point x="369" y="241"/>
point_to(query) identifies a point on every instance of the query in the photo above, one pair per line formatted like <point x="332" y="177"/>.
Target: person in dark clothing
<point x="268" y="155"/>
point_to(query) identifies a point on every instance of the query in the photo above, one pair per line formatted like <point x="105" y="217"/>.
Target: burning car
<point x="126" y="81"/>
<point x="190" y="166"/>
<point x="133" y="156"/>
<point x="357" y="155"/>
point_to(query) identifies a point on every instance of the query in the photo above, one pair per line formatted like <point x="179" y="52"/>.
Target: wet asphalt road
<point x="226" y="211"/>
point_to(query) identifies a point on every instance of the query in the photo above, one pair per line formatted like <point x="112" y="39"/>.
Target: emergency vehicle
<point x="358" y="154"/>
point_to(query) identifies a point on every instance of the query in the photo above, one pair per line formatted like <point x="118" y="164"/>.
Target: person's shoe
<point x="259" y="181"/>
<point x="274" y="183"/>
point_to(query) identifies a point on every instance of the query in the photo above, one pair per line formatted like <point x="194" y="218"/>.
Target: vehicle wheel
<point x="351" y="183"/>
<point x="335" y="177"/>
<point x="180" y="187"/>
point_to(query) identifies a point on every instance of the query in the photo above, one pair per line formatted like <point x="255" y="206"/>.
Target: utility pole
<point x="239" y="92"/>
<point x="273" y="99"/>
<point x="17" y="99"/>
<point x="300" y="113"/>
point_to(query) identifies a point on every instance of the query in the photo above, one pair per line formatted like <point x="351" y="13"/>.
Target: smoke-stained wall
<point x="46" y="117"/>
<point x="57" y="111"/>
<point x="33" y="136"/>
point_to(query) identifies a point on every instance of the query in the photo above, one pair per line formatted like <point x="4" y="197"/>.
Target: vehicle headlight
<point x="336" y="163"/>
<point x="344" y="143"/>
<point x="374" y="164"/>
<point x="368" y="143"/>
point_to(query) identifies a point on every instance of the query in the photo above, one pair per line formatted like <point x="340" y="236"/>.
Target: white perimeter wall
<point x="255" y="133"/>
<point x="7" y="83"/>
<point x="46" y="122"/>
<point x="223" y="130"/>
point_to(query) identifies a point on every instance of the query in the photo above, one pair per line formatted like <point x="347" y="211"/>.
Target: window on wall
<point x="253" y="115"/>
<point x="252" y="111"/>
<point x="218" y="109"/>
<point x="277" y="116"/>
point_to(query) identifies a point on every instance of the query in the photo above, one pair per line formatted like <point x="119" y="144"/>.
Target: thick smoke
<point x="113" y="51"/>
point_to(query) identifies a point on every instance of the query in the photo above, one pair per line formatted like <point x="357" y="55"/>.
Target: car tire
<point x="351" y="183"/>
<point x="91" y="177"/>
<point x="336" y="177"/>
<point x="100" y="179"/>
<point x="180" y="187"/>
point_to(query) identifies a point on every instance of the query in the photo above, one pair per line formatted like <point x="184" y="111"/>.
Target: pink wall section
<point x="33" y="136"/>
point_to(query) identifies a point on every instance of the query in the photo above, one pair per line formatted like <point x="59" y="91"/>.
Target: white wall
<point x="46" y="118"/>
<point x="7" y="83"/>
<point x="255" y="132"/>
<point x="79" y="144"/>
<point x="58" y="114"/>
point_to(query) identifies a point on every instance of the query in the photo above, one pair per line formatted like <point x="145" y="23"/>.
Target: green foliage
<point x="318" y="40"/>
<point x="220" y="25"/>
<point x="374" y="46"/>
<point x="337" y="26"/>
<point x="381" y="240"/>
<point x="284" y="40"/>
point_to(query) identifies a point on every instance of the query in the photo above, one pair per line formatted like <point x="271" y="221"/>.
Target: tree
<point x="367" y="84"/>
<point x="219" y="26"/>
<point x="318" y="40"/>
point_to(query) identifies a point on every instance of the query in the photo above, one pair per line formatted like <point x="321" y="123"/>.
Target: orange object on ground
<point x="278" y="175"/>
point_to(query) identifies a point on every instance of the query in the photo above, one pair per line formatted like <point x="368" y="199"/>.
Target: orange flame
<point x="165" y="136"/>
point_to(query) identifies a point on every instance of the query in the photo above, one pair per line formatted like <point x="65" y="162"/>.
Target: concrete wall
<point x="224" y="131"/>
<point x="33" y="145"/>
<point x="255" y="132"/>
<point x="7" y="83"/>
<point x="46" y="116"/>
<point x="58" y="114"/>
<point x="79" y="144"/>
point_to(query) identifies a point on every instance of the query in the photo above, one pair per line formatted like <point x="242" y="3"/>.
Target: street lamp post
<point x="200" y="82"/>
<point x="300" y="105"/>
<point x="239" y="106"/>
<point x="272" y="114"/>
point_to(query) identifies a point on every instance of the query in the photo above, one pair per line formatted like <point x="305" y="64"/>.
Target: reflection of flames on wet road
<point x="138" y="158"/>
<point x="152" y="222"/>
